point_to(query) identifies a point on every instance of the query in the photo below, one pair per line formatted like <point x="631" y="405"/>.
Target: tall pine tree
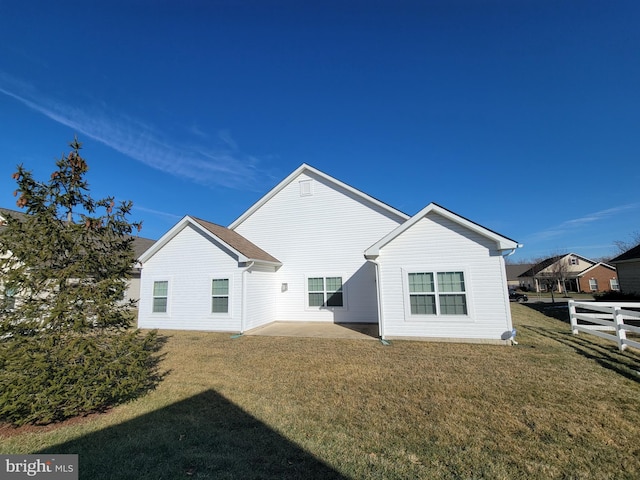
<point x="64" y="267"/>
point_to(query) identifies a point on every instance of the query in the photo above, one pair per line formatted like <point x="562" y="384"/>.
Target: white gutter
<point x="243" y="307"/>
<point x="512" y="250"/>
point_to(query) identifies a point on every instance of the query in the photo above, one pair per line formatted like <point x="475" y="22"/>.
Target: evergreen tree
<point x="64" y="267"/>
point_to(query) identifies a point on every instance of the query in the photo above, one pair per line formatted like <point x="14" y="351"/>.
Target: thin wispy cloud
<point x="584" y="221"/>
<point x="169" y="216"/>
<point x="203" y="164"/>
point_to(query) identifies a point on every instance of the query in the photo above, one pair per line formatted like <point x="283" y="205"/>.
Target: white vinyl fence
<point x="606" y="317"/>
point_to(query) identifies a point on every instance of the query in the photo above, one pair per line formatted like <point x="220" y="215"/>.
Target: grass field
<point x="554" y="406"/>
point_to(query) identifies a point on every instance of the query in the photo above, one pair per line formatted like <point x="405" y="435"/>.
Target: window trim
<point x="617" y="284"/>
<point x="409" y="316"/>
<point x="211" y="296"/>
<point x="591" y="285"/>
<point x="168" y="296"/>
<point x="324" y="277"/>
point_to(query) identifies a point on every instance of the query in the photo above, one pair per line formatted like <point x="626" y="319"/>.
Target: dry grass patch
<point x="555" y="406"/>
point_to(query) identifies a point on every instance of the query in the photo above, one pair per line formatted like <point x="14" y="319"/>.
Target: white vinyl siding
<point x="190" y="261"/>
<point x="314" y="236"/>
<point x="262" y="291"/>
<point x="472" y="303"/>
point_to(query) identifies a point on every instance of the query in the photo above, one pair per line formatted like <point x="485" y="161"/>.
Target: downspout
<point x="508" y="308"/>
<point x="379" y="295"/>
<point x="243" y="307"/>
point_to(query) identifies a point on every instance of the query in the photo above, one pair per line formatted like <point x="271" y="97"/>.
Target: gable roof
<point x="237" y="242"/>
<point x="599" y="264"/>
<point x="504" y="243"/>
<point x="538" y="267"/>
<point x="233" y="241"/>
<point x="304" y="168"/>
<point x="140" y="244"/>
<point x="628" y="256"/>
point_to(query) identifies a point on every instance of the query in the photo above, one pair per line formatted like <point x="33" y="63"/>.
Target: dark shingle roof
<point x="14" y="213"/>
<point x="140" y="244"/>
<point x="515" y="269"/>
<point x="538" y="267"/>
<point x="630" y="254"/>
<point x="237" y="241"/>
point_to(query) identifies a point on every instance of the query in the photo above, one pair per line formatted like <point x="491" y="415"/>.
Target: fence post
<point x="572" y="317"/>
<point x="621" y="333"/>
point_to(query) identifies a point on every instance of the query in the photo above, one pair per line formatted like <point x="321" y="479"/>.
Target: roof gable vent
<point x="306" y="188"/>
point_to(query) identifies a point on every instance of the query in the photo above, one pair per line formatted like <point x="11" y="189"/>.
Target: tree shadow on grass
<point x="558" y="310"/>
<point x="204" y="436"/>
<point x="625" y="363"/>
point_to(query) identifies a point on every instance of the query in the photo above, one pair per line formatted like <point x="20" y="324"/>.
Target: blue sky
<point x="523" y="116"/>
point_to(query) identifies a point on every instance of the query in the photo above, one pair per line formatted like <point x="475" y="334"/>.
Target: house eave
<point x="503" y="243"/>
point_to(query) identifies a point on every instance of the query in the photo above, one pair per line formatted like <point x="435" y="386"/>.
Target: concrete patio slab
<point x="358" y="331"/>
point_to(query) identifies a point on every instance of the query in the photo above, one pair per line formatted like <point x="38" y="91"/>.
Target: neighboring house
<point x="628" y="267"/>
<point x="514" y="270"/>
<point x="570" y="273"/>
<point x="139" y="246"/>
<point x="315" y="249"/>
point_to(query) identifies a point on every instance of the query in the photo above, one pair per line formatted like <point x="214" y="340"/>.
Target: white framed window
<point x="325" y="291"/>
<point x="160" y="296"/>
<point x="593" y="284"/>
<point x="614" y="284"/>
<point x="220" y="295"/>
<point x="573" y="261"/>
<point x="437" y="293"/>
<point x="422" y="293"/>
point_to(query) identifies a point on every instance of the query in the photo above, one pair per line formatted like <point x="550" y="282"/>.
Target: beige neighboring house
<point x="139" y="245"/>
<point x="579" y="274"/>
<point x="628" y="266"/>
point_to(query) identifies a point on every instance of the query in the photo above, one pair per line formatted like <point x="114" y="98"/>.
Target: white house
<point x="315" y="249"/>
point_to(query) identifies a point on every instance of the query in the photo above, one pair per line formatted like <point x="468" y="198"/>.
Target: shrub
<point x="613" y="296"/>
<point x="49" y="378"/>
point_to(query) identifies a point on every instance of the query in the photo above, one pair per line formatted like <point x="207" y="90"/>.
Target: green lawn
<point x="554" y="406"/>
